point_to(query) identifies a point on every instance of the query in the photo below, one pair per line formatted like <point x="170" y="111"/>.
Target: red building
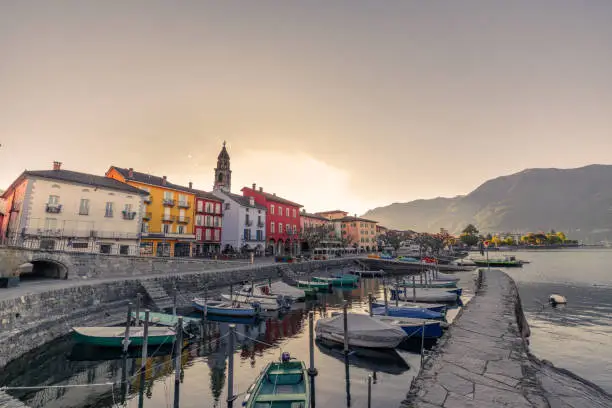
<point x="282" y="221"/>
<point x="208" y="223"/>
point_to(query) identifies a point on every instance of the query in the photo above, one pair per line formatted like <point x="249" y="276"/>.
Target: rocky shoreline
<point x="484" y="361"/>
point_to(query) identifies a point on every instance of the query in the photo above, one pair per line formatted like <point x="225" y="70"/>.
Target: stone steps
<point x="7" y="401"/>
<point x="158" y="295"/>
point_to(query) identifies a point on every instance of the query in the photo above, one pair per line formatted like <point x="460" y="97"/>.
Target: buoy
<point x="555" y="299"/>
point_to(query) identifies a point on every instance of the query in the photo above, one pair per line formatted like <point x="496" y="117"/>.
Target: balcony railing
<point x="168" y="218"/>
<point x="184" y="204"/>
<point x="169" y="202"/>
<point x="128" y="215"/>
<point x="260" y="225"/>
<point x="146" y="216"/>
<point x="182" y="220"/>
<point x="248" y="223"/>
<point x="54" y="208"/>
<point x="148" y="199"/>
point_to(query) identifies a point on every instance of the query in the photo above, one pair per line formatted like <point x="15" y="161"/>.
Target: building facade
<point x="244" y="224"/>
<point x="168" y="218"/>
<point x="282" y="221"/>
<point x="208" y="223"/>
<point x="66" y="210"/>
<point x="358" y="232"/>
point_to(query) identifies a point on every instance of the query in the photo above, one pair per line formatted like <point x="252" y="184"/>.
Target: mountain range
<point x="576" y="201"/>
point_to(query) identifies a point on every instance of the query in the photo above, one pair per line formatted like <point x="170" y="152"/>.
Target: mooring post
<point x="126" y="337"/>
<point x="177" y="361"/>
<point x="312" y="371"/>
<point x="386" y="299"/>
<point x="174" y="302"/>
<point x="422" y="343"/>
<point x="370" y="304"/>
<point x="413" y="290"/>
<point x="397" y="292"/>
<point x="370" y="391"/>
<point x="230" y="371"/>
<point x="138" y="309"/>
<point x="346" y="340"/>
<point x="145" y="341"/>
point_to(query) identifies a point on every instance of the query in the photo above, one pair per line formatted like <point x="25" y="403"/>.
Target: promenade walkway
<point x="484" y="362"/>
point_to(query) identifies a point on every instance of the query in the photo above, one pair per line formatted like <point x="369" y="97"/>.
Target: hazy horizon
<point x="346" y="104"/>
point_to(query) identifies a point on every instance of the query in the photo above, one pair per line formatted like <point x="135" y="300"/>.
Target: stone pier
<point x="484" y="361"/>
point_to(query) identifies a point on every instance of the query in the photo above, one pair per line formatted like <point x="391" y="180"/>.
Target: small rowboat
<point x="426" y="295"/>
<point x="344" y="280"/>
<point x="414" y="312"/>
<point x="225" y="308"/>
<point x="282" y="384"/>
<point x="367" y="274"/>
<point x="414" y="327"/>
<point x="435" y="284"/>
<point x="363" y="331"/>
<point x="322" y="286"/>
<point x="113" y="336"/>
<point x="164" y="319"/>
<point x="434" y="307"/>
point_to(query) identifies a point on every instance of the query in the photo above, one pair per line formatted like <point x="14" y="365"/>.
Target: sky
<point x="344" y="104"/>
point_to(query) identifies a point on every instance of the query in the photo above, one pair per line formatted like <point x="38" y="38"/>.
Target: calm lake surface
<point x="577" y="337"/>
<point x="205" y="364"/>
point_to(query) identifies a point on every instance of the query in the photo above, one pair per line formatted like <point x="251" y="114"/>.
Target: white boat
<point x="281" y="289"/>
<point x="426" y="295"/>
<point x="269" y="304"/>
<point x="363" y="331"/>
<point x="445" y="277"/>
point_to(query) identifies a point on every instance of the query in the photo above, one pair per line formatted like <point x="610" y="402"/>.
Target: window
<point x="272" y="209"/>
<point x="166" y="228"/>
<point x="280" y="210"/>
<point x="200" y="206"/>
<point x="145" y="227"/>
<point x="181" y="229"/>
<point x="227" y="206"/>
<point x="84" y="207"/>
<point x="168" y="195"/>
<point x="109" y="209"/>
<point x="53" y="200"/>
<point x="209" y="208"/>
<point x="295" y="229"/>
<point x="280" y="227"/>
<point x="217" y="235"/>
<point x="218" y="222"/>
<point x="124" y="250"/>
<point x="80" y="245"/>
<point x="272" y="227"/>
<point x="208" y="234"/>
<point x="199" y="234"/>
<point x="128" y="208"/>
<point x="105" y="248"/>
<point x="183" y="200"/>
<point x="218" y="208"/>
<point x="294" y="213"/>
<point x="247" y="234"/>
<point x="287" y="211"/>
<point x="209" y="221"/>
<point x="259" y="235"/>
<point x="199" y="220"/>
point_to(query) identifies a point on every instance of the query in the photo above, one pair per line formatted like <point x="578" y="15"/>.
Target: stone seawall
<point x="484" y="361"/>
<point x="31" y="319"/>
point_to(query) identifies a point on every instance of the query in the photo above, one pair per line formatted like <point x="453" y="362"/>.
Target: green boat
<point x="113" y="336"/>
<point x="164" y="319"/>
<point x="344" y="280"/>
<point x="280" y="385"/>
<point x="322" y="286"/>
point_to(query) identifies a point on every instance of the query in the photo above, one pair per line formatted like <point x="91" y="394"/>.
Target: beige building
<point x="66" y="210"/>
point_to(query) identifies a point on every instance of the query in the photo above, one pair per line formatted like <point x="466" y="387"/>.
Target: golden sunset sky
<point x="333" y="104"/>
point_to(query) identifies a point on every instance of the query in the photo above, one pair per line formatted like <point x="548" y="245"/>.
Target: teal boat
<point x="164" y="319"/>
<point x="113" y="336"/>
<point x="322" y="286"/>
<point x="280" y="385"/>
<point x="344" y="280"/>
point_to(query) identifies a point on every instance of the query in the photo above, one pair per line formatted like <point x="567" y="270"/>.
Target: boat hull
<point x="320" y="286"/>
<point x="410" y="305"/>
<point x="81" y="335"/>
<point x="434" y="284"/>
<point x="415" y="327"/>
<point x="336" y="281"/>
<point x="498" y="264"/>
<point x="426" y="295"/>
<point x="367" y="343"/>
<point x="415" y="312"/>
<point x="224" y="311"/>
<point x="266" y="390"/>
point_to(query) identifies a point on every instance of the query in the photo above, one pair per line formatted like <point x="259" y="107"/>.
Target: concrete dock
<point x="484" y="361"/>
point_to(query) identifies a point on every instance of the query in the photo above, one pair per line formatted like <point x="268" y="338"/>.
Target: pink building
<point x="308" y="220"/>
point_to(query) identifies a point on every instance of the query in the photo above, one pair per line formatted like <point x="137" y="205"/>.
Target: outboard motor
<point x="285" y="357"/>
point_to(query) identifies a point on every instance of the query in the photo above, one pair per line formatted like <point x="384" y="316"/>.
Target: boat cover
<point x="361" y="326"/>
<point x="281" y="288"/>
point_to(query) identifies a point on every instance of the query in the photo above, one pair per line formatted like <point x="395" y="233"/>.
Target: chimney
<point x="274" y="194"/>
<point x="131" y="172"/>
<point x="190" y="185"/>
<point x="261" y="189"/>
<point x="164" y="180"/>
<point x="57" y="165"/>
<point x="254" y="186"/>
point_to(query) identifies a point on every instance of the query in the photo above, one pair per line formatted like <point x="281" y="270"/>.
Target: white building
<point x="66" y="210"/>
<point x="244" y="223"/>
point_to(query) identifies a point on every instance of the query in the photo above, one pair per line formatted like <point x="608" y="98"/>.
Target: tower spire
<point x="223" y="174"/>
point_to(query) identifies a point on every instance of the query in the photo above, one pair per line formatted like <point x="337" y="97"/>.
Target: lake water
<point x="204" y="376"/>
<point x="578" y="336"/>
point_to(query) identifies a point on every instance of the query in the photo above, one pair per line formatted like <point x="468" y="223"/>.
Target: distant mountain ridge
<point x="578" y="201"/>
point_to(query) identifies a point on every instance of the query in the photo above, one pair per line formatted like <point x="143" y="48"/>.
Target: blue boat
<point x="434" y="307"/>
<point x="414" y="327"/>
<point x="225" y="308"/>
<point x="413" y="312"/>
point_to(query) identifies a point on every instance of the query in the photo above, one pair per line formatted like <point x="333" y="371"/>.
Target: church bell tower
<point x="223" y="174"/>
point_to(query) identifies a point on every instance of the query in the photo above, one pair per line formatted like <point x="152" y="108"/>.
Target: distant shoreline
<point x="542" y="248"/>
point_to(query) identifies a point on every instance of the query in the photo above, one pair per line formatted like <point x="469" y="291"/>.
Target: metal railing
<point x="248" y="222"/>
<point x="182" y="220"/>
<point x="168" y="218"/>
<point x="53" y="208"/>
<point x="169" y="202"/>
<point x="184" y="204"/>
<point x="128" y="215"/>
<point x="146" y="216"/>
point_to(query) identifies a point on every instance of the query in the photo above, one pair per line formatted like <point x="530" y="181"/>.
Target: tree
<point x="394" y="240"/>
<point x="313" y="235"/>
<point x="496" y="240"/>
<point x="469" y="240"/>
<point x="561" y="236"/>
<point x="509" y="241"/>
<point x="470" y="230"/>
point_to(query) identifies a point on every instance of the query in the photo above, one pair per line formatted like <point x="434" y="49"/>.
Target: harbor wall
<point x="29" y="320"/>
<point x="484" y="360"/>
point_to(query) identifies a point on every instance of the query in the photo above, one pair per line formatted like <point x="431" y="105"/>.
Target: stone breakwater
<point x="484" y="361"/>
<point x="31" y="316"/>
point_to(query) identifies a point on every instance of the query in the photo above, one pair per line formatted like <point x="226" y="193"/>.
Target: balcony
<point x="128" y="215"/>
<point x="184" y="204"/>
<point x="146" y="216"/>
<point x="248" y="223"/>
<point x="147" y="200"/>
<point x="260" y="225"/>
<point x="168" y="218"/>
<point x="54" y="208"/>
<point x="182" y="220"/>
<point x="169" y="202"/>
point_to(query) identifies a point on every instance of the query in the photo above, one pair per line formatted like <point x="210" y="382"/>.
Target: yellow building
<point x="168" y="219"/>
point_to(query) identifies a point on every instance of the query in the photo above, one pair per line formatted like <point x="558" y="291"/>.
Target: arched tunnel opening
<point x="43" y="269"/>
